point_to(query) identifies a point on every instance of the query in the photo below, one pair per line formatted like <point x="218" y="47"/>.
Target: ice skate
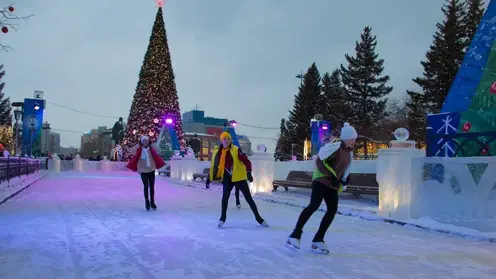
<point x="264" y="224"/>
<point x="147" y="205"/>
<point x="320" y="248"/>
<point x="238" y="206"/>
<point x="220" y="224"/>
<point x="293" y="243"/>
<point x="154" y="206"/>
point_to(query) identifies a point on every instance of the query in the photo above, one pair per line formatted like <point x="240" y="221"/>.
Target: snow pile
<point x="17" y="184"/>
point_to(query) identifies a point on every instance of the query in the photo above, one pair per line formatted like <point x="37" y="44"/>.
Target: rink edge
<point x="354" y="212"/>
<point x="23" y="188"/>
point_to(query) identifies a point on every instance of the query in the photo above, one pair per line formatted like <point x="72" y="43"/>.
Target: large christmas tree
<point x="156" y="98"/>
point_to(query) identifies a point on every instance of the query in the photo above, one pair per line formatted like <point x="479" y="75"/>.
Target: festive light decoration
<point x="5" y="29"/>
<point x="160" y="3"/>
<point x="493" y="87"/>
<point x="156" y="94"/>
<point x="11" y="9"/>
<point x="168" y="121"/>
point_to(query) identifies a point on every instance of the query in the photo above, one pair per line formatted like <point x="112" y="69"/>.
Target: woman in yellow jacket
<point x="232" y="167"/>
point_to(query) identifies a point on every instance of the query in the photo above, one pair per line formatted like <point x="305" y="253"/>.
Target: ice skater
<point x="329" y="178"/>
<point x="232" y="167"/>
<point x="145" y="161"/>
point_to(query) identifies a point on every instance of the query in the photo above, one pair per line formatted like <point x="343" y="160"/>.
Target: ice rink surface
<point x="94" y="225"/>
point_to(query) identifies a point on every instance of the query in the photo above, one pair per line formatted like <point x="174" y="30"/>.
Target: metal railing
<point x="11" y="167"/>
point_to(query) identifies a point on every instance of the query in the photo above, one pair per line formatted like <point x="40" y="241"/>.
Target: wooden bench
<point x="203" y="175"/>
<point x="166" y="171"/>
<point x="360" y="183"/>
<point x="297" y="179"/>
<point x="363" y="184"/>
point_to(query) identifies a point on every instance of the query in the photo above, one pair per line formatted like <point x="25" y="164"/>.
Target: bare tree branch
<point x="9" y="20"/>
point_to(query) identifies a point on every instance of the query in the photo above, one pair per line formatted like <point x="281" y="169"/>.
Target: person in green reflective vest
<point x="332" y="167"/>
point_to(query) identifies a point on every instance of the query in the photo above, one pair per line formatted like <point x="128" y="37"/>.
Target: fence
<point x="11" y="167"/>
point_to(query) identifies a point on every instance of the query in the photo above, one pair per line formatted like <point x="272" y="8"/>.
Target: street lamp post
<point x="32" y="122"/>
<point x="17" y="116"/>
<point x="46" y="128"/>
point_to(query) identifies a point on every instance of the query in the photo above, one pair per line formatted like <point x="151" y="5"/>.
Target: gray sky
<point x="234" y="59"/>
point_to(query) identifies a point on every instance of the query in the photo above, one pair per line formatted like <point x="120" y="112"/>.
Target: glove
<point x="334" y="181"/>
<point x="250" y="177"/>
<point x="343" y="182"/>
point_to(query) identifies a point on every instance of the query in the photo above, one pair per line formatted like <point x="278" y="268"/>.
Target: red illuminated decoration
<point x="485" y="150"/>
<point x="493" y="87"/>
<point x="5" y="29"/>
<point x="466" y="127"/>
<point x="11" y="9"/>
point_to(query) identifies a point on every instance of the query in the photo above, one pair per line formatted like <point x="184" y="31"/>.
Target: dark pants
<point x="236" y="193"/>
<point x="241" y="186"/>
<point x="148" y="179"/>
<point x="319" y="192"/>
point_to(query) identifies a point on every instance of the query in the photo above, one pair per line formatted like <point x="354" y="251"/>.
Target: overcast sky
<point x="234" y="59"/>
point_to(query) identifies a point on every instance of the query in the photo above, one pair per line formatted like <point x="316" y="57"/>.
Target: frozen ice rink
<point x="77" y="225"/>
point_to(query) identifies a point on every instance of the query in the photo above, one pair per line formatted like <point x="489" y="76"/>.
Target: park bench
<point x="203" y="175"/>
<point x="360" y="183"/>
<point x="166" y="171"/>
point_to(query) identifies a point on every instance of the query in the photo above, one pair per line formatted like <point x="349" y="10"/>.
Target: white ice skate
<point x="220" y="224"/>
<point x="265" y="224"/>
<point x="293" y="243"/>
<point x="238" y="206"/>
<point x="320" y="248"/>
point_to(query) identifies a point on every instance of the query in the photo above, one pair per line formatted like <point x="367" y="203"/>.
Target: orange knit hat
<point x="225" y="135"/>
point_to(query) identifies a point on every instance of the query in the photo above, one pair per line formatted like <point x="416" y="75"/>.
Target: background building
<point x="208" y="130"/>
<point x="50" y="141"/>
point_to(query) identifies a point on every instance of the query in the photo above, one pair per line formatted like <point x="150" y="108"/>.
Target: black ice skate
<point x="147" y="205"/>
<point x="154" y="206"/>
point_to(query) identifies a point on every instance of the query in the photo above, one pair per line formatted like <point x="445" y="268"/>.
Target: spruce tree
<point x="444" y="57"/>
<point x="156" y="95"/>
<point x="306" y="105"/>
<point x="365" y="84"/>
<point x="472" y="18"/>
<point x="5" y="107"/>
<point x="336" y="106"/>
<point x="416" y="116"/>
<point x="283" y="146"/>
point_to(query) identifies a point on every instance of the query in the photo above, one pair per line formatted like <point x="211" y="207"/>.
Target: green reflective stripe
<point x="329" y="168"/>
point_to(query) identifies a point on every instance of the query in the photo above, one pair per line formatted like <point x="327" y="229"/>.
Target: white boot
<point x="265" y="224"/>
<point x="220" y="224"/>
<point x="293" y="243"/>
<point x="320" y="247"/>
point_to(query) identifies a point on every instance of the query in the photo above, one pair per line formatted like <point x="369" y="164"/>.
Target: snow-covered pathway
<point x="74" y="225"/>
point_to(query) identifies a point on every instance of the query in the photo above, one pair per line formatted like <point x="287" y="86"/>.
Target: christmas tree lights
<point x="156" y="98"/>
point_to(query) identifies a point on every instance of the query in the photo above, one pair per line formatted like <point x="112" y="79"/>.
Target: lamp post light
<point x="17" y="116"/>
<point x="46" y="128"/>
<point x="32" y="121"/>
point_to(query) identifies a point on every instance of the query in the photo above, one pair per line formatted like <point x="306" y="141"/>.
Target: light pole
<point x="46" y="128"/>
<point x="17" y="116"/>
<point x="32" y="120"/>
<point x="301" y="76"/>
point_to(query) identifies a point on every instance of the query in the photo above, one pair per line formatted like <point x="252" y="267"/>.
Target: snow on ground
<point x="93" y="225"/>
<point x="16" y="184"/>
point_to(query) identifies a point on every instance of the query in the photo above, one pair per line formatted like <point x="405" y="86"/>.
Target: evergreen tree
<point x="306" y="105"/>
<point x="365" y="85"/>
<point x="283" y="146"/>
<point x="416" y="116"/>
<point x="156" y="94"/>
<point x="5" y="107"/>
<point x="440" y="67"/>
<point x="444" y="57"/>
<point x="472" y="18"/>
<point x="336" y="107"/>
